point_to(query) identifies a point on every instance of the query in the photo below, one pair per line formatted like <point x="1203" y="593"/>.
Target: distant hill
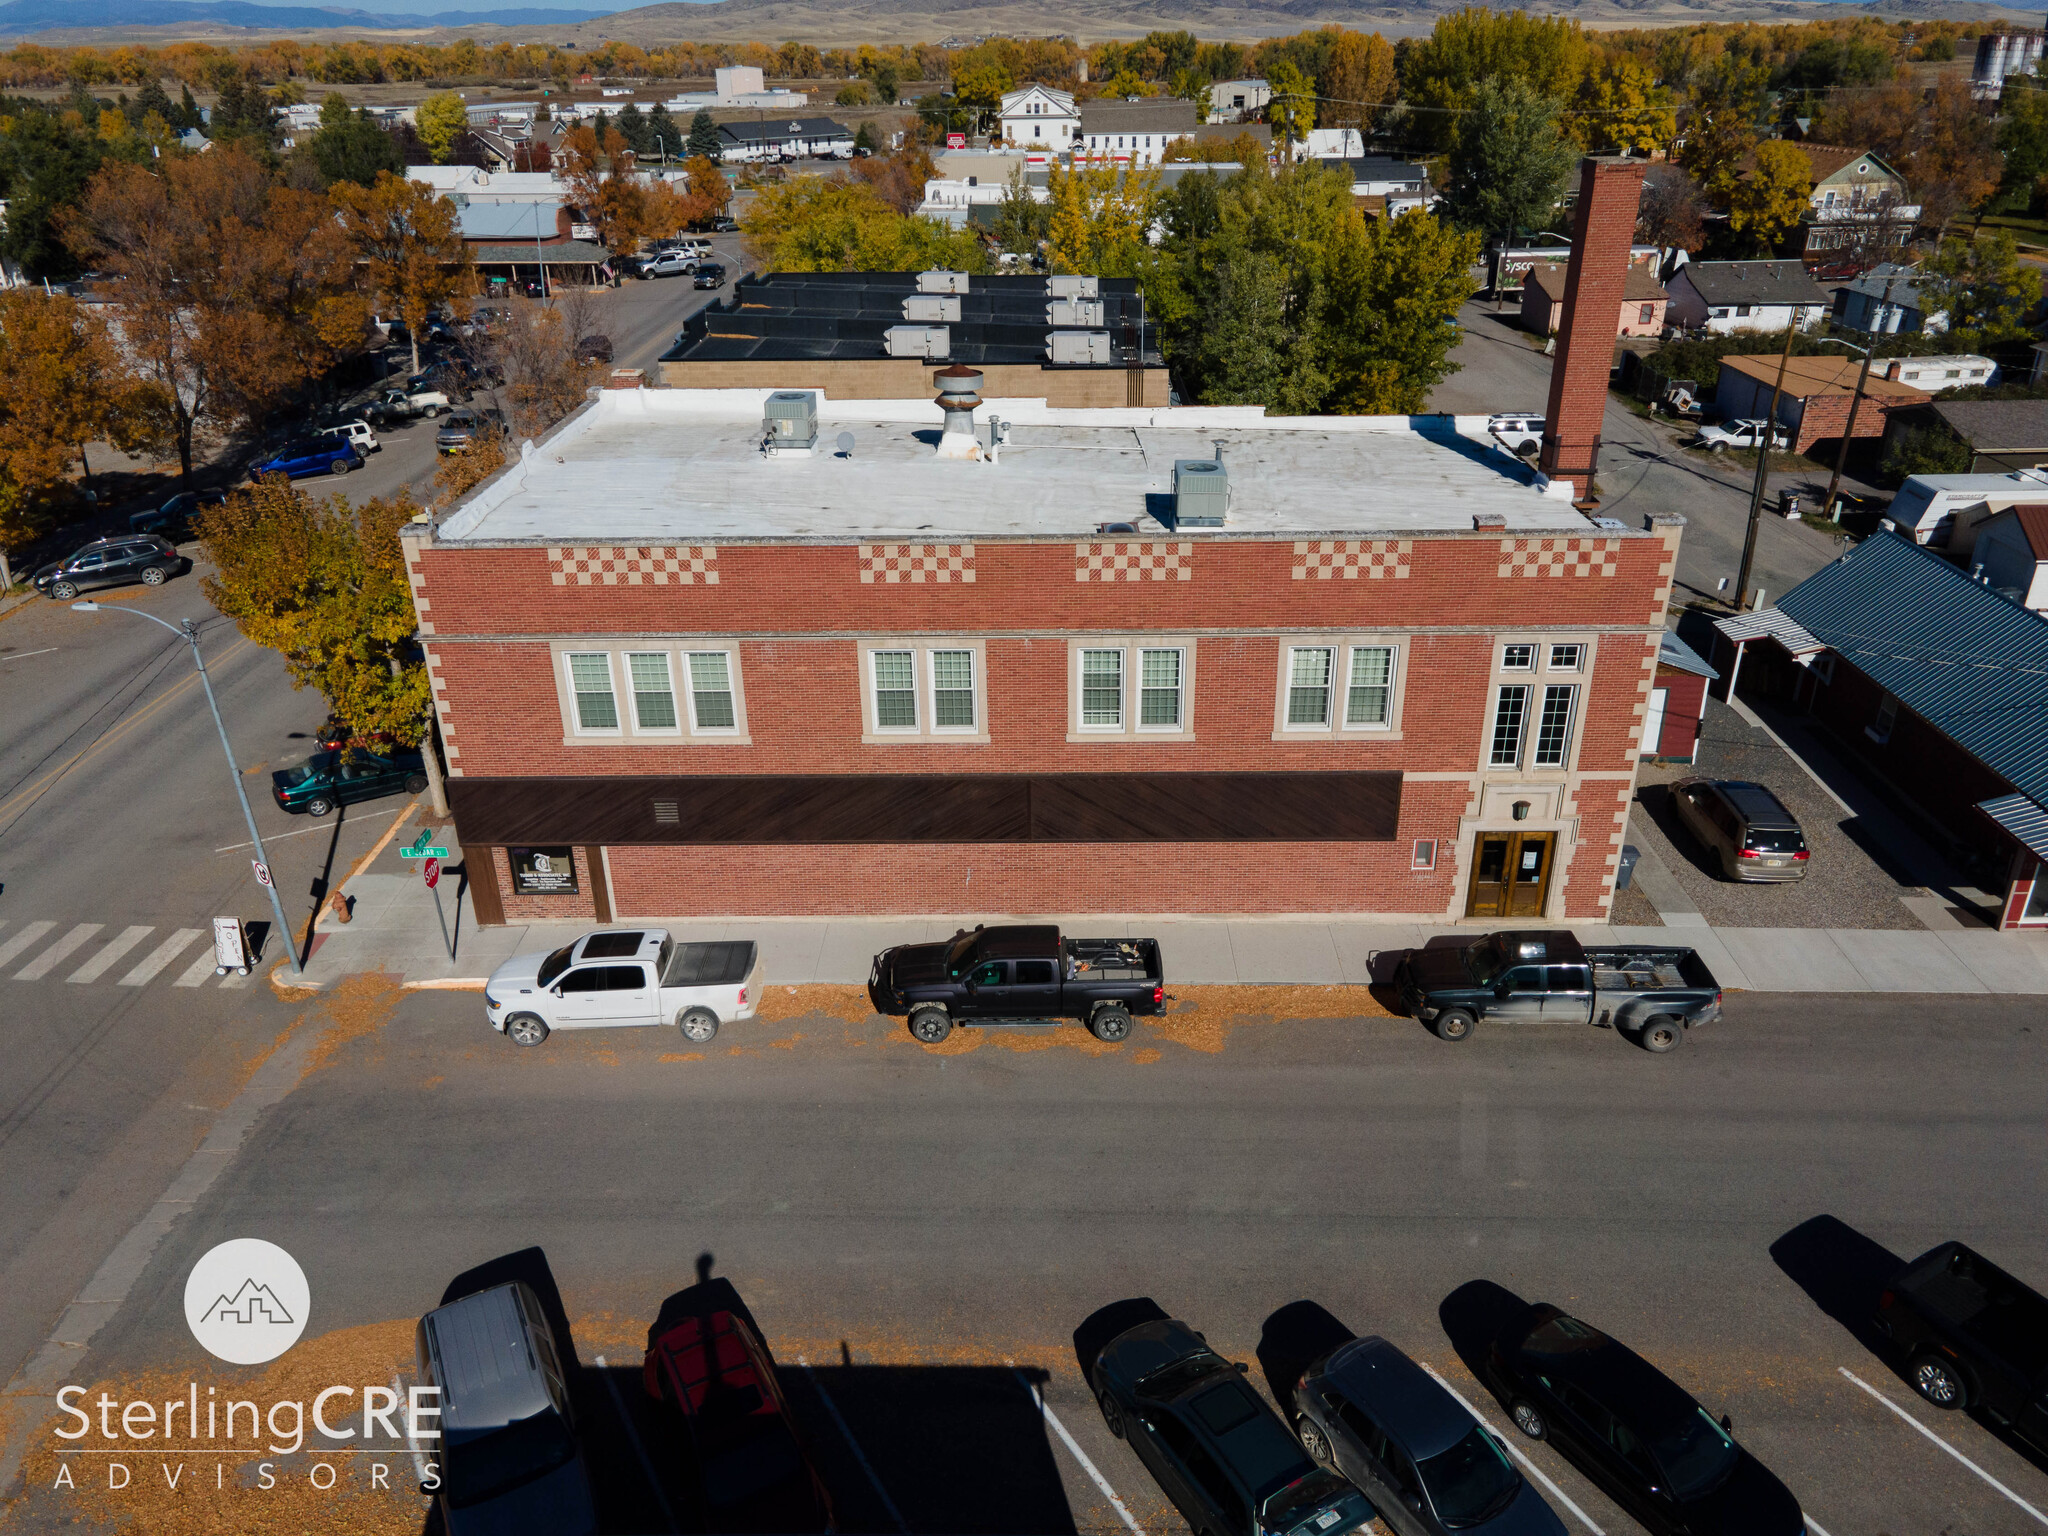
<point x="21" y="17"/>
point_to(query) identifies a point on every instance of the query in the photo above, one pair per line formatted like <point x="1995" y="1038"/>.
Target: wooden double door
<point x="1510" y="874"/>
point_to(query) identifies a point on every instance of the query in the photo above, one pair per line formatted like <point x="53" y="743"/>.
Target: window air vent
<point x="666" y="813"/>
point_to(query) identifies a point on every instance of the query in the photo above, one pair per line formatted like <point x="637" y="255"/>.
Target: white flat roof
<point x="684" y="465"/>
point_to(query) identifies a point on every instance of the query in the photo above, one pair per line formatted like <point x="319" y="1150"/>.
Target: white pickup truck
<point x="623" y="977"/>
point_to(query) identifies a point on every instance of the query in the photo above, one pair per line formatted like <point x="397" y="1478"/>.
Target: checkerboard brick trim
<point x="1558" y="557"/>
<point x="916" y="564"/>
<point x="682" y="565"/>
<point x="1352" y="558"/>
<point x="1133" y="562"/>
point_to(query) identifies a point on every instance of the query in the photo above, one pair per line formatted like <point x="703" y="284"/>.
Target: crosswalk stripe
<point x="103" y="962"/>
<point x="160" y="957"/>
<point x="21" y="941"/>
<point x="234" y="980"/>
<point x="196" y="973"/>
<point x="57" y="953"/>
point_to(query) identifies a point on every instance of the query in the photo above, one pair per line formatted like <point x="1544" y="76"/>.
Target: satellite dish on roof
<point x="846" y="445"/>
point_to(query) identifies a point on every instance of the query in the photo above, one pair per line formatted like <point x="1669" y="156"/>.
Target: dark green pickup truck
<point x="1653" y="995"/>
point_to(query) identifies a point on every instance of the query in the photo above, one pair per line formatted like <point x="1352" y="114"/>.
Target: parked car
<point x="317" y="785"/>
<point x="309" y="456"/>
<point x="725" y="226"/>
<point x="1633" y="1431"/>
<point x="404" y="404"/>
<point x="1522" y="434"/>
<point x="336" y="733"/>
<point x="1368" y="1411"/>
<point x="1745" y="827"/>
<point x="1654" y="994"/>
<point x="624" y="266"/>
<point x="1217" y="1451"/>
<point x="1972" y="1337"/>
<point x="746" y="1460"/>
<point x="710" y="275"/>
<point x="508" y="1458"/>
<point x="624" y="978"/>
<point x="464" y="424"/>
<point x="357" y="434"/>
<point x="667" y="264"/>
<point x="1722" y="436"/>
<point x="110" y="562"/>
<point x="1022" y="972"/>
<point x="172" y="522"/>
<point x="594" y="349"/>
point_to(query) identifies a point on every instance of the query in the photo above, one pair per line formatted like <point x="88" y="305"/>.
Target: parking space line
<point x="1812" y="1524"/>
<point x="1516" y="1451"/>
<point x="1930" y="1434"/>
<point x="646" y="1466"/>
<point x="1073" y="1445"/>
<point x="853" y="1445"/>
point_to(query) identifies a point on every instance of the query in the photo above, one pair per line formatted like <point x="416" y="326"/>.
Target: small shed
<point x="1678" y="702"/>
<point x="1643" y="301"/>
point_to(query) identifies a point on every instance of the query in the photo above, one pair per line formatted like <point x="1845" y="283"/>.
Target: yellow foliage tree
<point x="1769" y="200"/>
<point x="1622" y="107"/>
<point x="410" y="246"/>
<point x="814" y="224"/>
<point x="1100" y="215"/>
<point x="441" y="120"/>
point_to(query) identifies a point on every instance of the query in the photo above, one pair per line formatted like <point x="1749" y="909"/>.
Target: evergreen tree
<point x="632" y="126"/>
<point x="153" y="98"/>
<point x="188" y="115"/>
<point x="352" y="147"/>
<point x="664" y="137"/>
<point x="704" y="139"/>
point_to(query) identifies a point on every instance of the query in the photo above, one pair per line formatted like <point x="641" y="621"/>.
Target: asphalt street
<point x="926" y="1229"/>
<point x="1642" y="467"/>
<point x="120" y="840"/>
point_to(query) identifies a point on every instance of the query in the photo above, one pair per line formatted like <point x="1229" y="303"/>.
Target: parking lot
<point x="924" y="1230"/>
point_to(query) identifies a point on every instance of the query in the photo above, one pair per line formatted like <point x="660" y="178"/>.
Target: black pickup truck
<point x="1972" y="1337"/>
<point x="1548" y="977"/>
<point x="988" y="975"/>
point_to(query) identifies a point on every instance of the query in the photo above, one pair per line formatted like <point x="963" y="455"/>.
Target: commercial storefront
<point x="912" y="669"/>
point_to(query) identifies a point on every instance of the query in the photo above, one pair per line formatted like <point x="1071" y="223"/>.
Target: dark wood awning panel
<point x="933" y="808"/>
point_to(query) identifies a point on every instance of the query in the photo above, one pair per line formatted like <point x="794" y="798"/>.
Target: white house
<point x="469" y="184"/>
<point x="1723" y="297"/>
<point x="1132" y="132"/>
<point x="776" y="139"/>
<point x="1232" y="101"/>
<point x="1333" y="144"/>
<point x="1040" y="118"/>
<point x="2010" y="554"/>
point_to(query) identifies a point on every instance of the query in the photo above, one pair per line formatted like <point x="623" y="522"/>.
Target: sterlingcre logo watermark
<point x="246" y="1301"/>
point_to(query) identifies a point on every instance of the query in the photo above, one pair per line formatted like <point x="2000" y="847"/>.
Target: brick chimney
<point x="1609" y="190"/>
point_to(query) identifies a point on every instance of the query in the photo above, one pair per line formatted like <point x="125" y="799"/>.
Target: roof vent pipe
<point x="959" y="394"/>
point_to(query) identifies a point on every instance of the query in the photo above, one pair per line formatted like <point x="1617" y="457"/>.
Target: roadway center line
<point x="1930" y="1434"/>
<point x="853" y="1445"/>
<point x="1516" y="1451"/>
<point x="639" y="1450"/>
<point x="19" y="655"/>
<point x="1074" y="1446"/>
<point x="278" y="837"/>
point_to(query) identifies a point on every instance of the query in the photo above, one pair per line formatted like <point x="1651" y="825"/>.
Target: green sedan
<point x="327" y="779"/>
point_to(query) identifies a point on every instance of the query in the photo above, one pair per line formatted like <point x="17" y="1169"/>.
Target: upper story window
<point x="1122" y="686"/>
<point x="1338" y="685"/>
<point x="1534" y="724"/>
<point x="622" y="691"/>
<point x="922" y="690"/>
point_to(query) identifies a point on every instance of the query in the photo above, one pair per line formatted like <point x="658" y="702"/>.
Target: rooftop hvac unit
<point x="1201" y="492"/>
<point x="932" y="306"/>
<point x="941" y="282"/>
<point x="1074" y="312"/>
<point x="789" y="421"/>
<point x="930" y="342"/>
<point x="1071" y="287"/>
<point x="1079" y="347"/>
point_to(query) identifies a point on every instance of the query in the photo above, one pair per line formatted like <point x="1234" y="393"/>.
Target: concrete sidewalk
<point x="395" y="930"/>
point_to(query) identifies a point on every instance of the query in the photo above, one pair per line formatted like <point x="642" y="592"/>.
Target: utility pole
<point x="1856" y="399"/>
<point x="1763" y="462"/>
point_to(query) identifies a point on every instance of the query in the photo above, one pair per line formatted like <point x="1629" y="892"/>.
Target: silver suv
<point x="1523" y="435"/>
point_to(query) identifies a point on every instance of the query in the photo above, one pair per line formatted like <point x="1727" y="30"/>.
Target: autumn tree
<point x="1442" y="73"/>
<point x="597" y="173"/>
<point x="1292" y="109"/>
<point x="534" y="350"/>
<point x="1672" y="213"/>
<point x="1769" y="200"/>
<point x="1984" y="287"/>
<point x="323" y="584"/>
<point x="66" y="385"/>
<point x="441" y="119"/>
<point x="1953" y="164"/>
<point x="1720" y="125"/>
<point x="190" y="243"/>
<point x="818" y="224"/>
<point x="709" y="193"/>
<point x="898" y="177"/>
<point x="410" y="247"/>
<point x="1099" y="218"/>
<point x="1621" y="107"/>
<point x="1359" y="74"/>
<point x="1022" y="222"/>
<point x="981" y="88"/>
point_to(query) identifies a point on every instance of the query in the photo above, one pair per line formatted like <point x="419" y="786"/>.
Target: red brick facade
<point x="495" y="620"/>
<point x="1595" y="286"/>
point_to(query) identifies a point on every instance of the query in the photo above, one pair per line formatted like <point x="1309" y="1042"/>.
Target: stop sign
<point x="431" y="871"/>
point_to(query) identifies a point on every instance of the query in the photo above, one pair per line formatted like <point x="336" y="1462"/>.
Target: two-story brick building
<point x="677" y="674"/>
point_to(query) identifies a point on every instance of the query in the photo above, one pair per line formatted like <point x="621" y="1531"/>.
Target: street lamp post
<point x="189" y="633"/>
